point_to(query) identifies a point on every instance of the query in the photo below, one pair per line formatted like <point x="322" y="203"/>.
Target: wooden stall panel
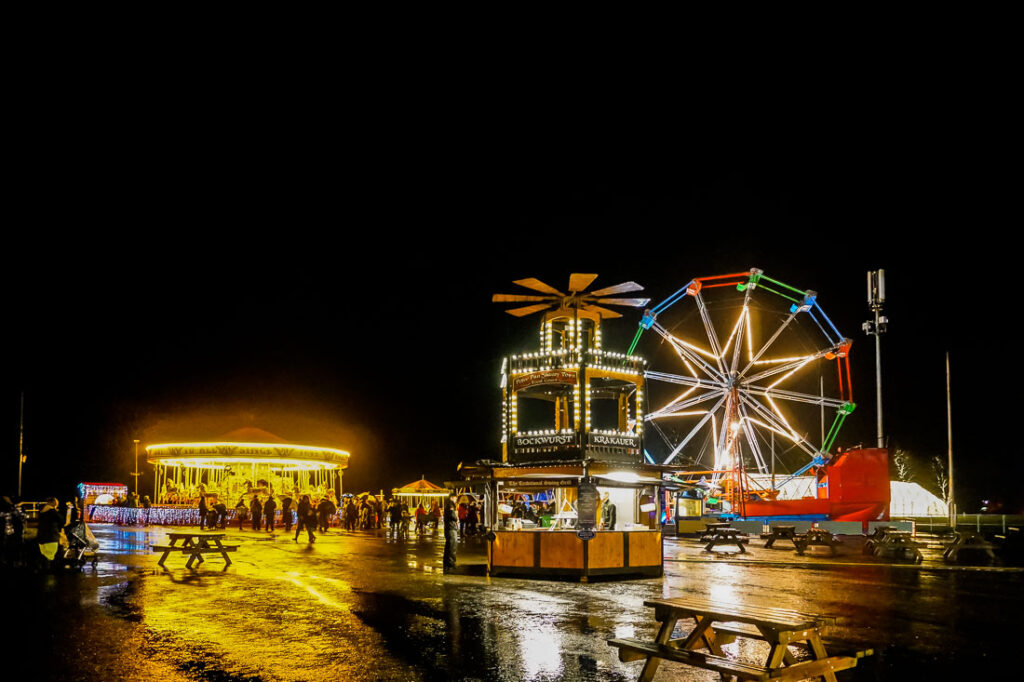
<point x="561" y="550"/>
<point x="512" y="549"/>
<point x="645" y="548"/>
<point x="605" y="550"/>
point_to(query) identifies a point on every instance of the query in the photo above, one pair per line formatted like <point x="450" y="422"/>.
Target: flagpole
<point x="21" y="441"/>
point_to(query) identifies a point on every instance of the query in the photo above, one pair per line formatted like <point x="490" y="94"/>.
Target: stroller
<point x="81" y="547"/>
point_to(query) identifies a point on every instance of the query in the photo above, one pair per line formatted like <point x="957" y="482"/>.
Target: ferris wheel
<point x="734" y="399"/>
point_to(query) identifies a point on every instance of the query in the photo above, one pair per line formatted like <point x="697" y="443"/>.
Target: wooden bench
<point x="816" y="537"/>
<point x="195" y="545"/>
<point x="968" y="541"/>
<point x="725" y="536"/>
<point x="779" y="533"/>
<point x="894" y="544"/>
<point x="716" y="622"/>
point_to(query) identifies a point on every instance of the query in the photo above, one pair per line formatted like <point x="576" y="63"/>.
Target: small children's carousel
<point x="572" y="496"/>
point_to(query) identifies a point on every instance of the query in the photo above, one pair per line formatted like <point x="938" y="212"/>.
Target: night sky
<point x="347" y="303"/>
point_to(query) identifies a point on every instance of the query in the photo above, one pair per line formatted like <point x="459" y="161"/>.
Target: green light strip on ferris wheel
<point x="783" y="284"/>
<point x="779" y="293"/>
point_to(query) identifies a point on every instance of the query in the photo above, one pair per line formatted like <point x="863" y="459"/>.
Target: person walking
<point x="269" y="508"/>
<point x="306" y="519"/>
<point x="203" y="511"/>
<point x="451" y="533"/>
<point x="256" y="509"/>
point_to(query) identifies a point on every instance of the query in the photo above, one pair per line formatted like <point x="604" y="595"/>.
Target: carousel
<point x="240" y="463"/>
<point x="233" y="469"/>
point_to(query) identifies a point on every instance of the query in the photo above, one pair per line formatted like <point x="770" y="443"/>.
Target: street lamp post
<point x="136" y="474"/>
<point x="876" y="297"/>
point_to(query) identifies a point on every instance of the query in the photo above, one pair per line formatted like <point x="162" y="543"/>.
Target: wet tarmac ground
<point x="360" y="606"/>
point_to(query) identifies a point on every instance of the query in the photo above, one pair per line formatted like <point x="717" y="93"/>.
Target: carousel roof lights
<point x="271" y="446"/>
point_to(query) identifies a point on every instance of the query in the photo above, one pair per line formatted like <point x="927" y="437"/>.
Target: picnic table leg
<point x="818" y="649"/>
<point x="167" y="552"/>
<point x="223" y="552"/>
<point x="664" y="635"/>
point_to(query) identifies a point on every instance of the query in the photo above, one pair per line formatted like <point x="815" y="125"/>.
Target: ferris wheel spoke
<point x="779" y="425"/>
<point x="694" y="430"/>
<point x="793" y="396"/>
<point x="768" y="344"/>
<point x="683" y="379"/>
<point x="755" y="447"/>
<point x="739" y="333"/>
<point x="709" y="328"/>
<point x="791" y="366"/>
<point x="687" y="353"/>
<point x="673" y="408"/>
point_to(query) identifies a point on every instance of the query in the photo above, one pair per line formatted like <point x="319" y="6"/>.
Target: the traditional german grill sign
<point x="553" y="439"/>
<point x="618" y="440"/>
<point x="555" y="376"/>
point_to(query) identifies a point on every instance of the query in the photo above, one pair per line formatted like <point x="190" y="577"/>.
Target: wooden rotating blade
<point x="634" y="302"/>
<point x="618" y="289"/>
<point x="579" y="281"/>
<point x="537" y="285"/>
<point x="520" y="312"/>
<point x="518" y="298"/>
<point x="603" y="312"/>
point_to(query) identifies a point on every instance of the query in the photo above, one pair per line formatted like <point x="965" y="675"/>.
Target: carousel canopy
<point x="247" y="446"/>
<point x="421" y="488"/>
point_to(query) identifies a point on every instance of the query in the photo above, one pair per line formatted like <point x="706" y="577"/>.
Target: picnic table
<point x="195" y="545"/>
<point x="969" y="541"/>
<point x="889" y="543"/>
<point x="780" y="533"/>
<point x="816" y="536"/>
<point x="723" y="534"/>
<point x="717" y="623"/>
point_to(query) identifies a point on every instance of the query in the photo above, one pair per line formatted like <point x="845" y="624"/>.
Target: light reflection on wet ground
<point x="357" y="606"/>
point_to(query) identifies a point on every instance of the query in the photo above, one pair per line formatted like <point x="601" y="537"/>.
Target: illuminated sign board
<point x="558" y="439"/>
<point x="618" y="440"/>
<point x="556" y="376"/>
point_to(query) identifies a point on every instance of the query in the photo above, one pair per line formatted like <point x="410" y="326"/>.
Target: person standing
<point x="324" y="511"/>
<point x="306" y="519"/>
<point x="241" y="512"/>
<point x="203" y="511"/>
<point x="608" y="513"/>
<point x="451" y="533"/>
<point x="49" y="530"/>
<point x="394" y="517"/>
<point x="286" y="512"/>
<point x="269" y="508"/>
<point x="463" y="517"/>
<point x="256" y="509"/>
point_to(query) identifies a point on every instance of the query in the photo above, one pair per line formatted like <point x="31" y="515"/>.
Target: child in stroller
<point x="81" y="547"/>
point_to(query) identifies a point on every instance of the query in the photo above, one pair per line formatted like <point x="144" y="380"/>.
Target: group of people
<point x="132" y="500"/>
<point x="54" y="522"/>
<point x="261" y="512"/>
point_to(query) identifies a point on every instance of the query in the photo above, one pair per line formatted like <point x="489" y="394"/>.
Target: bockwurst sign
<point x="555" y="376"/>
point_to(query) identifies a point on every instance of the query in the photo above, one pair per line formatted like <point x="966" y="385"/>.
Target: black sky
<point x="178" y="292"/>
